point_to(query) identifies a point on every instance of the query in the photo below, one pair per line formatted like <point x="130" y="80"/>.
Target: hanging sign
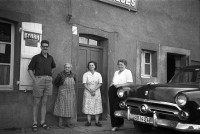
<point x="128" y="4"/>
<point x="31" y="39"/>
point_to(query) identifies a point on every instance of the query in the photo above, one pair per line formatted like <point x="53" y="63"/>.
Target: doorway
<point x="90" y="49"/>
<point x="174" y="62"/>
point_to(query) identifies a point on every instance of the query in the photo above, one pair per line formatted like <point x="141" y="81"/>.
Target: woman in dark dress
<point x="65" y="101"/>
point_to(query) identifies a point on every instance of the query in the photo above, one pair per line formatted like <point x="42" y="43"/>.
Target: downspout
<point x="74" y="48"/>
<point x="69" y="14"/>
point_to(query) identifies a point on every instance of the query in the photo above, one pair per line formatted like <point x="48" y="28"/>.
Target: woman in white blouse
<point x="122" y="78"/>
<point x="92" y="102"/>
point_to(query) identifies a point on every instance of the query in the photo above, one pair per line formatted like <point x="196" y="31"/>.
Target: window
<point x="88" y="41"/>
<point x="148" y="64"/>
<point x="6" y="53"/>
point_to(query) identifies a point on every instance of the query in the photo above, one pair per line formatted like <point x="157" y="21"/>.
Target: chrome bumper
<point x="161" y="122"/>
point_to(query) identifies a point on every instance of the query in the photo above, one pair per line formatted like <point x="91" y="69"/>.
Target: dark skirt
<point x="114" y="101"/>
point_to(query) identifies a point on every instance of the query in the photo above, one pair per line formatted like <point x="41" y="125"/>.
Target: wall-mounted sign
<point x="31" y="35"/>
<point x="74" y="30"/>
<point x="128" y="4"/>
<point x="31" y="39"/>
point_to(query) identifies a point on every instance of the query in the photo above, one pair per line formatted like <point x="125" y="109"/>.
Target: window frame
<point x="143" y="63"/>
<point x="10" y="86"/>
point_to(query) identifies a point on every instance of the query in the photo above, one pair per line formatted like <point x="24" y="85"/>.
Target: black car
<point x="174" y="105"/>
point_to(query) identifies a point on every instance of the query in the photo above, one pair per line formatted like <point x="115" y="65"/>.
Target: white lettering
<point x="133" y="3"/>
<point x="31" y="36"/>
<point x="38" y="37"/>
<point x="141" y="118"/>
<point x="34" y="36"/>
<point x="128" y="2"/>
<point x="123" y="1"/>
<point x="25" y="35"/>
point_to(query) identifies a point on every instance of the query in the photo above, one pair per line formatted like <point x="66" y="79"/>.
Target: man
<point x="40" y="70"/>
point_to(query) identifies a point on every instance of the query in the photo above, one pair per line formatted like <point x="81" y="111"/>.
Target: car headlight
<point x="181" y="100"/>
<point x="122" y="104"/>
<point x="120" y="93"/>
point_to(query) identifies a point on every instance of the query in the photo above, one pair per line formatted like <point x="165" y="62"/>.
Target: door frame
<point x="174" y="62"/>
<point x="163" y="59"/>
<point x="108" y="57"/>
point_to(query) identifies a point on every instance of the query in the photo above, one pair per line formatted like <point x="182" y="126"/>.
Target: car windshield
<point x="186" y="76"/>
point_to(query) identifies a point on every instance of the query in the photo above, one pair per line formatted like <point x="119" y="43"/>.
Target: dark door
<point x="86" y="54"/>
<point x="174" y="62"/>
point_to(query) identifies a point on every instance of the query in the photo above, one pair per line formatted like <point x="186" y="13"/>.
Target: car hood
<point x="162" y="92"/>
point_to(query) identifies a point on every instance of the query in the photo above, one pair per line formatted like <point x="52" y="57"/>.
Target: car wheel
<point x="142" y="127"/>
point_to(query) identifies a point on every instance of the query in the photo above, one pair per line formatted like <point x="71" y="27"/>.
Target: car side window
<point x="198" y="77"/>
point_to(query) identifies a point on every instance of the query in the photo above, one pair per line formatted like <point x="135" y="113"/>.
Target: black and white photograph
<point x="99" y="66"/>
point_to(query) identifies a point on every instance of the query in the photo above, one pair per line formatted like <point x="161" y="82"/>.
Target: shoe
<point x="34" y="128"/>
<point x="98" y="124"/>
<point x="61" y="126"/>
<point x="114" y="129"/>
<point x="88" y="124"/>
<point x="45" y="126"/>
<point x="70" y="125"/>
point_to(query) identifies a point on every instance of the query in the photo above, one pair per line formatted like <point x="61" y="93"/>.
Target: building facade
<point x="155" y="37"/>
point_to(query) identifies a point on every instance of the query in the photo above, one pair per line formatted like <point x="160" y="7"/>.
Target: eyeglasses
<point x="44" y="46"/>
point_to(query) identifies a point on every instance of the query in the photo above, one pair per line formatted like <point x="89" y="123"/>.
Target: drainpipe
<point x="74" y="40"/>
<point x="69" y="14"/>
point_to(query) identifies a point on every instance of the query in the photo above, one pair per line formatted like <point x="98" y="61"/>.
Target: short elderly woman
<point x="65" y="102"/>
<point x="92" y="103"/>
<point x="122" y="78"/>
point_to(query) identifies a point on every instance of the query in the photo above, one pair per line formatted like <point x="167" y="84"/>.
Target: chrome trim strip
<point x="128" y="113"/>
<point x="155" y="102"/>
<point x="182" y="88"/>
<point x="155" y="118"/>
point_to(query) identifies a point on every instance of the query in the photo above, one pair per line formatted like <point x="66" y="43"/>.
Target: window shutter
<point x="31" y="35"/>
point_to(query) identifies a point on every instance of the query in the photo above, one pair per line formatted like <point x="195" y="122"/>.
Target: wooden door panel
<point x="82" y="63"/>
<point x="86" y="54"/>
<point x="95" y="55"/>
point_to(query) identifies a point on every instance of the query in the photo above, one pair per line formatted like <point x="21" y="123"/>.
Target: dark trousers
<point x="114" y="101"/>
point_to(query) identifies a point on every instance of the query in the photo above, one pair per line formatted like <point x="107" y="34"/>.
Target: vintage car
<point x="174" y="105"/>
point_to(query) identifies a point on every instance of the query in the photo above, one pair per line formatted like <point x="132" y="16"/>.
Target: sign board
<point x="31" y="39"/>
<point x="128" y="4"/>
